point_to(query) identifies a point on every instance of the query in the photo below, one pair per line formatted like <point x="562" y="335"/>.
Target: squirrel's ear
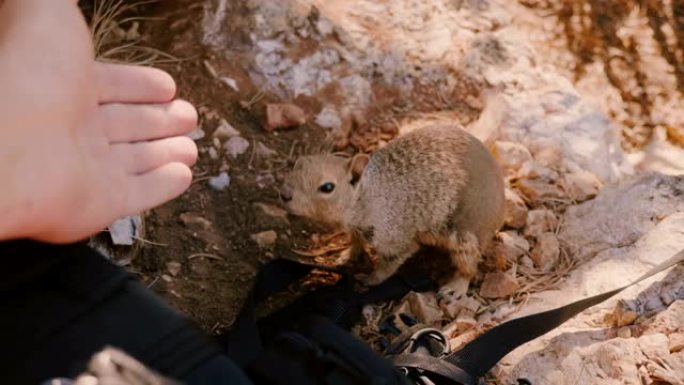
<point x="356" y="166"/>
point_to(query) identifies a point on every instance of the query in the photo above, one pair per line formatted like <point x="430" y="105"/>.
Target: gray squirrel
<point x="435" y="186"/>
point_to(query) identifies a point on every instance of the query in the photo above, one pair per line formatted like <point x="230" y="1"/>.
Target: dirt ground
<point x="204" y="268"/>
<point x="218" y="260"/>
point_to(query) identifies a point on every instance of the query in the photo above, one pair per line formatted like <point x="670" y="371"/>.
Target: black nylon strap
<point x="480" y="355"/>
<point x="434" y="365"/>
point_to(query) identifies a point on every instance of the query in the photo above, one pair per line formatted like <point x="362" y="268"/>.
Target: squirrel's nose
<point x="285" y="194"/>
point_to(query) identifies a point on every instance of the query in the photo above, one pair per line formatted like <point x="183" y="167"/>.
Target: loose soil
<point x="217" y="262"/>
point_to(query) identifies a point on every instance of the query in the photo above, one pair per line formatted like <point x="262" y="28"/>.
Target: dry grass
<point x="116" y="45"/>
<point x="533" y="280"/>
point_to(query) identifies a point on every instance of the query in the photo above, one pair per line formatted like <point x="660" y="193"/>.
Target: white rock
<point x="465" y="304"/>
<point x="225" y="130"/>
<point x="265" y="239"/>
<point x="593" y="357"/>
<point x="511" y="156"/>
<point x="585" y="136"/>
<point x="660" y="155"/>
<point x="220" y="182"/>
<point x="124" y="231"/>
<point x="324" y="26"/>
<point x="498" y="285"/>
<point x="539" y="191"/>
<point x="622" y="213"/>
<point x="270" y="214"/>
<point x="527" y="262"/>
<point x="173" y="268"/>
<point x="462" y="339"/>
<point x="535" y="170"/>
<point x="627" y="229"/>
<point x="463" y="323"/>
<point x="329" y="118"/>
<point x="264" y="151"/>
<point x="623" y="314"/>
<point x="540" y="221"/>
<point x="230" y="82"/>
<point x="516" y="210"/>
<point x="236" y="146"/>
<point x="193" y="220"/>
<point x="212" y="23"/>
<point x="264" y="180"/>
<point x="196" y="134"/>
<point x="284" y="115"/>
<point x="676" y="342"/>
<point x="357" y="91"/>
<point x="513" y="245"/>
<point x="581" y="185"/>
<point x="546" y="252"/>
<point x="424" y="307"/>
<point x="546" y="152"/>
<point x="213" y="153"/>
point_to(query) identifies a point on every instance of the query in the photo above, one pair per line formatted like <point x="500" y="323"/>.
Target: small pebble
<point x="329" y="118"/>
<point x="624" y="332"/>
<point x="225" y="131"/>
<point x="264" y="180"/>
<point x="235" y="146"/>
<point x="676" y="342"/>
<point x="264" y="151"/>
<point x="230" y="82"/>
<point x="220" y="182"/>
<point x="173" y="267"/>
<point x="279" y="116"/>
<point x="213" y="154"/>
<point x="498" y="285"/>
<point x="125" y="230"/>
<point x="546" y="252"/>
<point x="265" y="239"/>
<point x="196" y="134"/>
<point x="194" y="220"/>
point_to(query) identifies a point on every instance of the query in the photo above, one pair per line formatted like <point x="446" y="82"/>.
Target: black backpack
<point x="69" y="292"/>
<point x="309" y="342"/>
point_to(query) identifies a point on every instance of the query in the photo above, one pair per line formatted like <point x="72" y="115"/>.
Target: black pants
<point x="61" y="304"/>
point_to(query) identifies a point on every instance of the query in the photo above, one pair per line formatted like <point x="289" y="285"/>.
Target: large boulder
<point x="620" y="235"/>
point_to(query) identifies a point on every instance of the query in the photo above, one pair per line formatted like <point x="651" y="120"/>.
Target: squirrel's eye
<point x="327" y="187"/>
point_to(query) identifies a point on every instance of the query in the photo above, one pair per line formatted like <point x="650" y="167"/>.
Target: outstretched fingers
<point x="155" y="187"/>
<point x="119" y="83"/>
<point x="137" y="122"/>
<point x="141" y="157"/>
<point x="143" y="126"/>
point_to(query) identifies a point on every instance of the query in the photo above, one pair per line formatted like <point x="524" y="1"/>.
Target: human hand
<point x="81" y="143"/>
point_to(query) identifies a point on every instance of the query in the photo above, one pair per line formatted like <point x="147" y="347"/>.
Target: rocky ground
<point x="579" y="102"/>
